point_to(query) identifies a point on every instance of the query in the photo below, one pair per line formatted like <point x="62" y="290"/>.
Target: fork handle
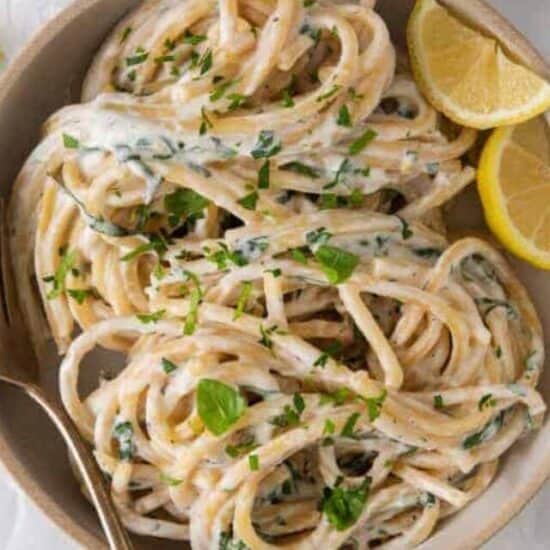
<point x="115" y="532"/>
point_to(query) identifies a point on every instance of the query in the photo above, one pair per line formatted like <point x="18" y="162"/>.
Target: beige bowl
<point x="47" y="75"/>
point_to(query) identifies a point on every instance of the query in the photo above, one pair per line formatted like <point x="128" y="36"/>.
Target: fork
<point x="19" y="368"/>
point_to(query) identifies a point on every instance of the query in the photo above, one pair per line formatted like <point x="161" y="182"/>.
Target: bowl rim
<point x="48" y="506"/>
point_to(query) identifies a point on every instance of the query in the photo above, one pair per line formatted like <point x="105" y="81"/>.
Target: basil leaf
<point x="219" y="405"/>
<point x="337" y="264"/>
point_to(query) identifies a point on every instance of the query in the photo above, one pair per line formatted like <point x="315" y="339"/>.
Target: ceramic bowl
<point x="48" y="74"/>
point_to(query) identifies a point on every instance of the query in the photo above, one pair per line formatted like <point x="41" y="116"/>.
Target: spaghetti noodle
<point x="247" y="204"/>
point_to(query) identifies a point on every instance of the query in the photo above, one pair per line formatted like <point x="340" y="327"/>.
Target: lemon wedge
<point x="514" y="185"/>
<point x="467" y="75"/>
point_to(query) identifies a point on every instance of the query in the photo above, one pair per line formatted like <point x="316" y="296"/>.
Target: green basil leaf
<point x="219" y="405"/>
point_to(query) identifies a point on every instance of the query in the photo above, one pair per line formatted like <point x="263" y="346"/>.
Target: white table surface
<point x="23" y="526"/>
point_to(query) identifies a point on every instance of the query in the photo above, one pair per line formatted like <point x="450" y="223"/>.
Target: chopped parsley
<point x="125" y="34"/>
<point x="349" y="427"/>
<point x="263" y="175"/>
<point x="302" y="169"/>
<point x="374" y="405"/>
<point x="223" y="257"/>
<point x="167" y="366"/>
<point x="249" y="201"/>
<point x="486" y="433"/>
<point x="151" y="318"/>
<point x="487" y="401"/>
<point x="291" y="415"/>
<point x="193" y="39"/>
<point x="246" y="289"/>
<point x="438" y="402"/>
<point x="329" y="93"/>
<point x="268" y="145"/>
<point x="406" y="232"/>
<point x="344" y="117"/>
<point x="70" y="142"/>
<point x="330" y="351"/>
<point x="80" y="294"/>
<point x="254" y="462"/>
<point x="184" y="204"/>
<point x="138" y="58"/>
<point x="68" y="259"/>
<point x="342" y="506"/>
<point x="361" y="142"/>
<point x="337" y="264"/>
<point x="206" y="123"/>
<point x="123" y="432"/>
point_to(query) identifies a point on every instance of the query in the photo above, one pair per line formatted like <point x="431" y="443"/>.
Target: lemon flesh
<point x="514" y="185"/>
<point x="467" y="75"/>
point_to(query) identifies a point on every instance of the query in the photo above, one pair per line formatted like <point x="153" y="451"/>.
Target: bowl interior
<point x="48" y="75"/>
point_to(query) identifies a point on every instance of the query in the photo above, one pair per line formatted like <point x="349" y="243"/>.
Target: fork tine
<point x="3" y="254"/>
<point x="13" y="314"/>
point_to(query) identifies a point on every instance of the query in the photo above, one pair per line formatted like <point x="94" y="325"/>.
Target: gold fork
<point x="19" y="368"/>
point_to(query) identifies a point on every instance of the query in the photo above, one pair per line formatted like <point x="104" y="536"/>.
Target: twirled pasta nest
<point x="248" y="206"/>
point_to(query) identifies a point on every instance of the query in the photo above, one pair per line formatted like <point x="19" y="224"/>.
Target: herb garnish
<point x="344" y="117"/>
<point x="148" y="318"/>
<point x="184" y="204"/>
<point x="342" y="506"/>
<point x="168" y="366"/>
<point x="70" y="142"/>
<point x="302" y="169"/>
<point x="361" y="142"/>
<point x="268" y="145"/>
<point x="193" y="39"/>
<point x="123" y="432"/>
<point x="263" y="175"/>
<point x="349" y="427"/>
<point x="291" y="415"/>
<point x="487" y="401"/>
<point x="329" y="352"/>
<point x="68" y="259"/>
<point x="337" y="264"/>
<point x="243" y="299"/>
<point x="80" y="294"/>
<point x="219" y="405"/>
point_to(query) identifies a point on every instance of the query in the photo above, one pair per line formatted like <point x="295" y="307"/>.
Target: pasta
<point x="248" y="205"/>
